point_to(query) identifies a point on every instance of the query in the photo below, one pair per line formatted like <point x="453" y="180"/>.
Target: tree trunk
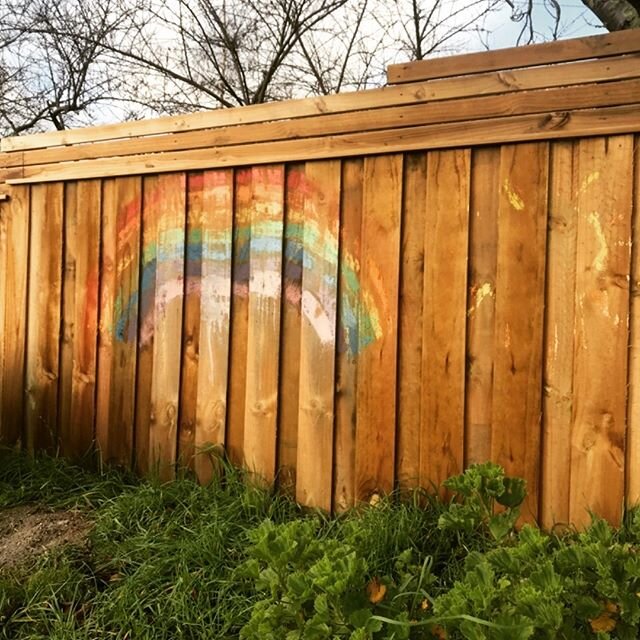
<point x="616" y="14"/>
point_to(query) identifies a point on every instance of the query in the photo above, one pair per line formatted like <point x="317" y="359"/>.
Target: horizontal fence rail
<point x="367" y="292"/>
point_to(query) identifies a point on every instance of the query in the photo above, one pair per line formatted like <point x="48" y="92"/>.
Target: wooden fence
<point x="348" y="293"/>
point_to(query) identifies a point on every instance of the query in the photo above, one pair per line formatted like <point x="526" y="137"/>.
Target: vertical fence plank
<point x="45" y="299"/>
<point x="410" y="321"/>
<point x="5" y="212"/>
<point x="15" y="213"/>
<point x="633" y="409"/>
<point x="559" y="313"/>
<point x="118" y="325"/>
<point x="291" y="318"/>
<point x="66" y="431"/>
<point x="481" y="302"/>
<point x="146" y="335"/>
<point x="348" y="335"/>
<point x="318" y="334"/>
<point x="166" y="249"/>
<point x="80" y="317"/>
<point x="444" y="308"/>
<point x="602" y="314"/>
<point x="107" y="296"/>
<point x="191" y="322"/>
<point x="377" y="325"/>
<point x="160" y="324"/>
<point x="263" y="336"/>
<point x="522" y="225"/>
<point x="243" y="202"/>
<point x="217" y="214"/>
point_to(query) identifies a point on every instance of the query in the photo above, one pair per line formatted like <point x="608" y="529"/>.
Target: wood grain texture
<point x="78" y="356"/>
<point x="481" y="302"/>
<point x="409" y="431"/>
<point x="633" y="406"/>
<point x="444" y="106"/>
<point x="559" y="334"/>
<point x="128" y="270"/>
<point x="215" y="287"/>
<point x="146" y="320"/>
<point x="191" y="322"/>
<point x="520" y="278"/>
<point x="5" y="436"/>
<point x="520" y="128"/>
<point x="15" y="214"/>
<point x="349" y="302"/>
<point x="167" y="322"/>
<point x="263" y="335"/>
<point x="243" y="200"/>
<point x="289" y="378"/>
<point x="379" y="280"/>
<point x="107" y="295"/>
<point x="43" y="331"/>
<point x="356" y="319"/>
<point x="606" y="45"/>
<point x="444" y="312"/>
<point x="602" y="314"/>
<point x="318" y="334"/>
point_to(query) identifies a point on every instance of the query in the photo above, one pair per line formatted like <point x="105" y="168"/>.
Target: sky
<point x="577" y="21"/>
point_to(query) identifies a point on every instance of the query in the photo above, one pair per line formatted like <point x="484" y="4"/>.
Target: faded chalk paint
<point x="588" y="181"/>
<point x="507" y="336"/>
<point x="321" y="319"/>
<point x="215" y="296"/>
<point x="602" y="257"/>
<point x="265" y="283"/>
<point x="485" y="290"/>
<point x="206" y="259"/>
<point x="515" y="200"/>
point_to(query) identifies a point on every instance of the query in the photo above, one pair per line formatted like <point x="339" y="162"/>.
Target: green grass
<point x="170" y="561"/>
<point x="162" y="558"/>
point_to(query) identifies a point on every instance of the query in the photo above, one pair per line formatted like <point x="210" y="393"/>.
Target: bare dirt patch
<point x="27" y="532"/>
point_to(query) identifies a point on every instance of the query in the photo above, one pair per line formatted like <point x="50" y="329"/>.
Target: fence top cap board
<point x="570" y="88"/>
<point x="609" y="44"/>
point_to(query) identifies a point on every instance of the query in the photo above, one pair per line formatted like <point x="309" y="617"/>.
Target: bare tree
<point x="341" y="54"/>
<point x="613" y="15"/>
<point x="437" y="26"/>
<point x="616" y="15"/>
<point x="205" y="53"/>
<point x="72" y="62"/>
<point x="53" y="69"/>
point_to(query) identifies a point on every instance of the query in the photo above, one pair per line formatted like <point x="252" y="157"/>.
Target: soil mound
<point x="27" y="532"/>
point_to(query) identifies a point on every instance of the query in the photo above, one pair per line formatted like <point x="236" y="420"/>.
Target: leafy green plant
<point x="314" y="588"/>
<point x="566" y="587"/>
<point x="478" y="493"/>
